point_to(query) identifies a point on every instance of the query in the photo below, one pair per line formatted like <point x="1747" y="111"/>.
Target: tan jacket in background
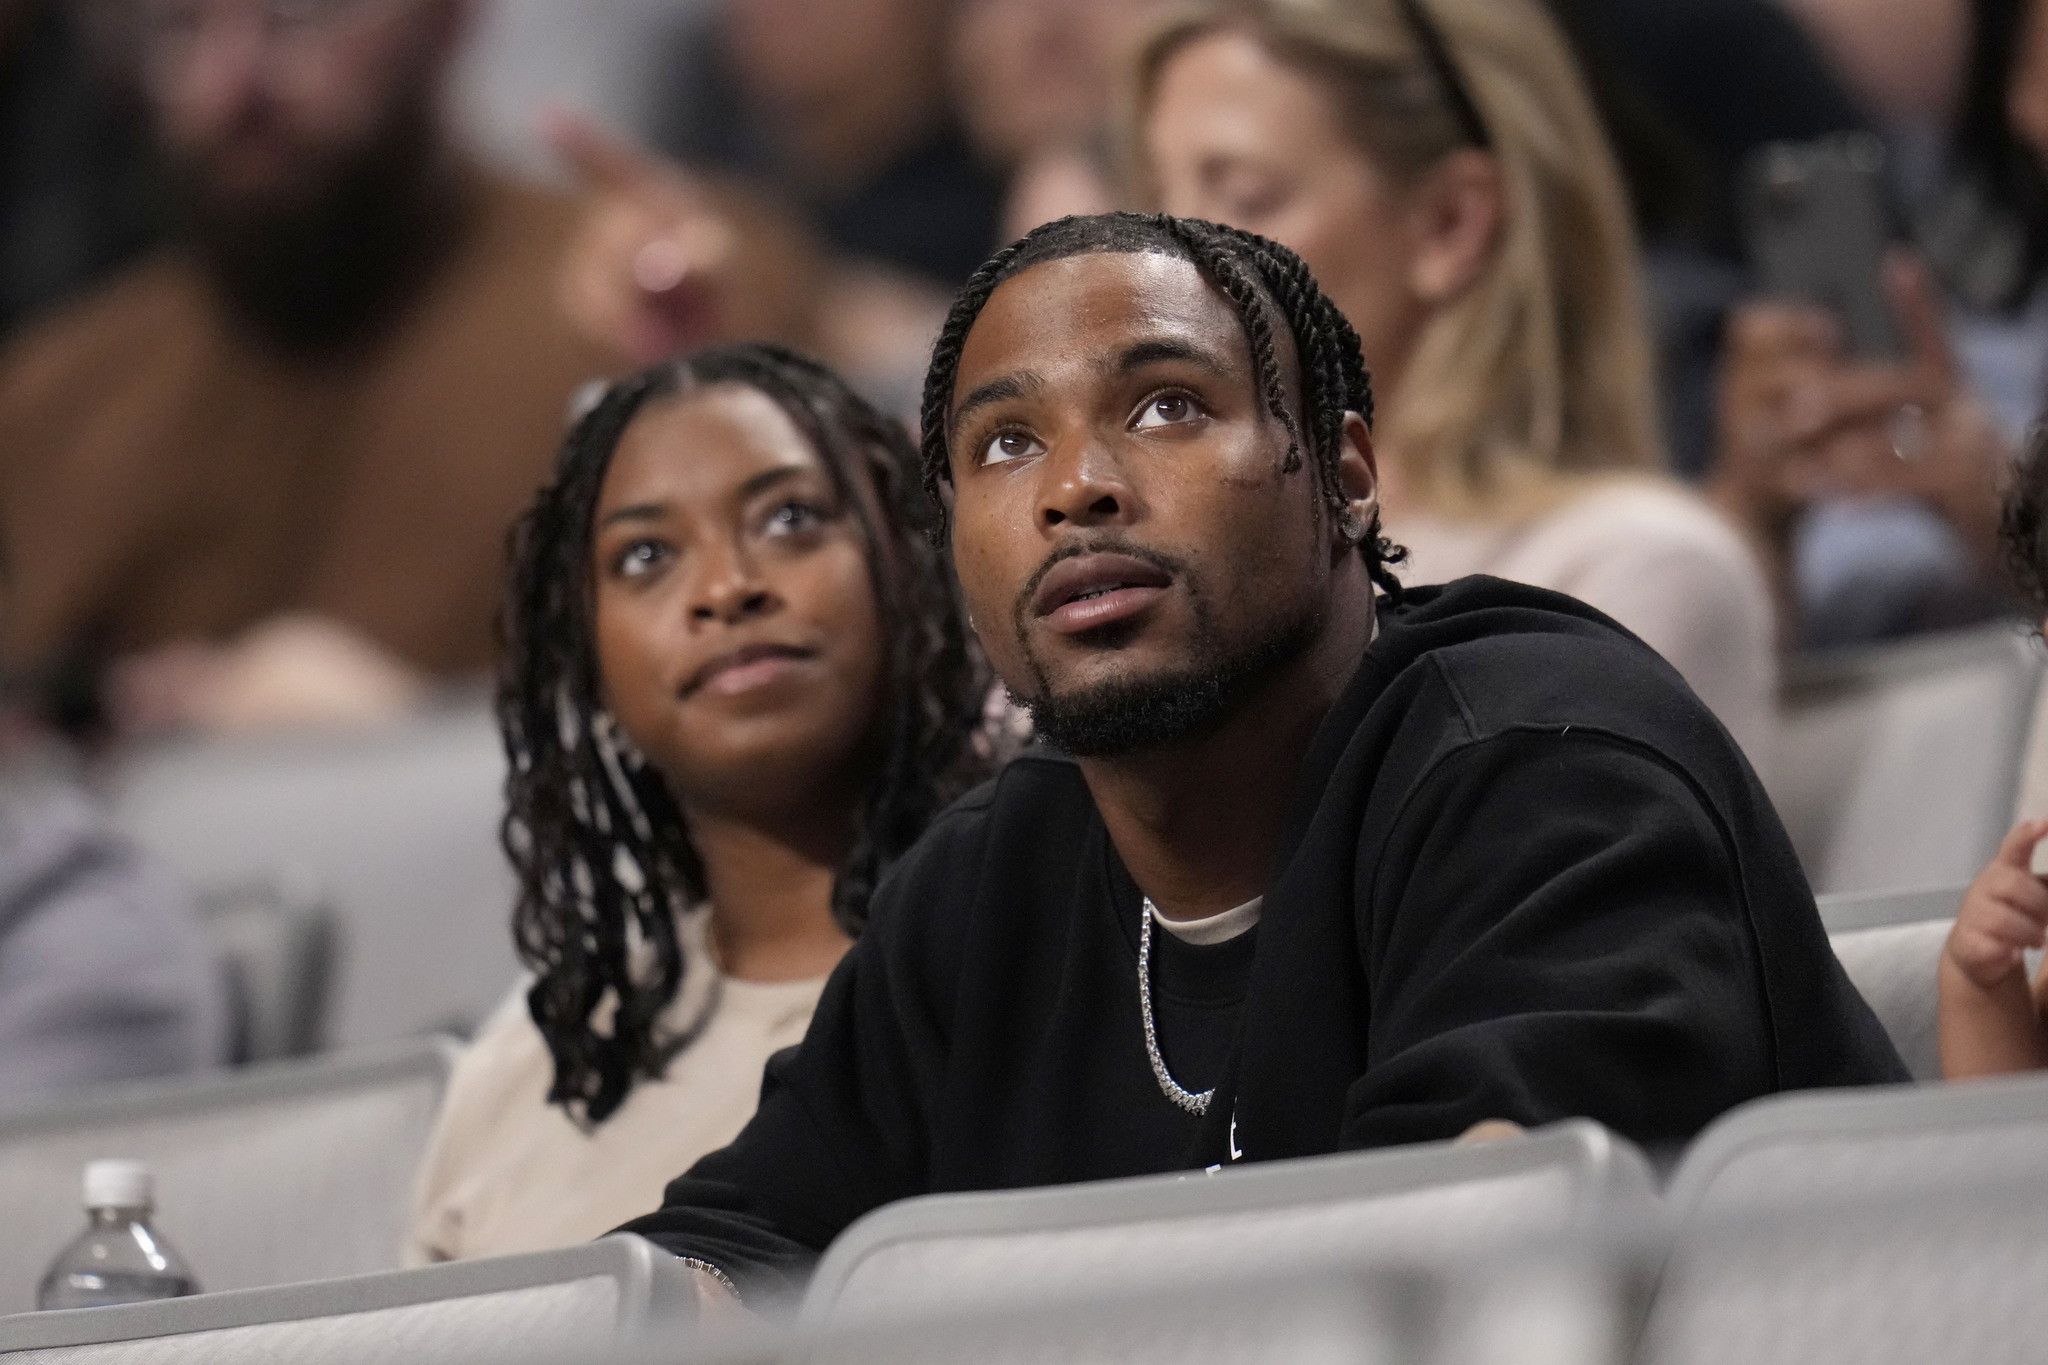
<point x="164" y="477"/>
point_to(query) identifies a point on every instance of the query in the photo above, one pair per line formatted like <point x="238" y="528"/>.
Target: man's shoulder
<point x="1509" y="656"/>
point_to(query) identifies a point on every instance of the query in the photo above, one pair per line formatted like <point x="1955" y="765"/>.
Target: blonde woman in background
<point x="1440" y="167"/>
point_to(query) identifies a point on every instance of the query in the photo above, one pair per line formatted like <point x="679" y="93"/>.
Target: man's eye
<point x="1010" y="445"/>
<point x="1168" y="409"/>
<point x="639" y="558"/>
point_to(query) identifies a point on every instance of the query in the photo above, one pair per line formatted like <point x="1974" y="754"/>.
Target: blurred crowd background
<point x="295" y="296"/>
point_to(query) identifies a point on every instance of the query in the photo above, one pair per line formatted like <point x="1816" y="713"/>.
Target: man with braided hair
<point x="1307" y="862"/>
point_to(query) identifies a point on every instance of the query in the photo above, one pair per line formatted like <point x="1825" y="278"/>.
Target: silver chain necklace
<point x="1174" y="1090"/>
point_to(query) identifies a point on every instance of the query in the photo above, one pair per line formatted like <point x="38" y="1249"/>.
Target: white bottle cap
<point x="119" y="1184"/>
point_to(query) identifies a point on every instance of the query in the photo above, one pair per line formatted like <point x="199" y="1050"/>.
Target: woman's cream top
<point x="1656" y="558"/>
<point x="505" y="1171"/>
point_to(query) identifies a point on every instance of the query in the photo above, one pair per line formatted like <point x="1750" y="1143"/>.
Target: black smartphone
<point x="1817" y="222"/>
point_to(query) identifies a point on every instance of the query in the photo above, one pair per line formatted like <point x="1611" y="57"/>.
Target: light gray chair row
<point x="1840" y="1146"/>
<point x="1899" y="764"/>
<point x="1784" y="1229"/>
<point x="584" y="1301"/>
<point x="964" y="1250"/>
<point x="396" y="829"/>
<point x="282" y="1172"/>
<point x="1951" y="1278"/>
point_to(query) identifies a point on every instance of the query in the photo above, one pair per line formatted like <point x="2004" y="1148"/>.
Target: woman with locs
<point x="735" y="688"/>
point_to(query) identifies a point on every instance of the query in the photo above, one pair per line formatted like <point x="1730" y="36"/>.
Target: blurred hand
<point x="666" y="261"/>
<point x="292" y="672"/>
<point x="2004" y="913"/>
<point x="1491" y="1130"/>
<point x="1801" y="420"/>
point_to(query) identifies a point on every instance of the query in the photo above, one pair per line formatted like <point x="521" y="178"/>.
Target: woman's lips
<point x="743" y="670"/>
<point x="1089" y="592"/>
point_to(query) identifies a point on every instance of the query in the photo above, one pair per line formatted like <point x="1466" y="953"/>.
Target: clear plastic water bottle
<point x="119" y="1258"/>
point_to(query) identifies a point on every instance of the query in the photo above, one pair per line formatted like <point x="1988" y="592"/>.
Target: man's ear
<point x="1454" y="221"/>
<point x="1358" y="474"/>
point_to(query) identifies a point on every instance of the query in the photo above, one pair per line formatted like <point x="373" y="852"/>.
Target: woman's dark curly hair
<point x="597" y="837"/>
<point x="1266" y="285"/>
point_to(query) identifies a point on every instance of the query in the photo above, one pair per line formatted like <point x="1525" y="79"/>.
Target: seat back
<point x="1843" y="1145"/>
<point x="275" y="942"/>
<point x="1957" y="1276"/>
<point x="397" y="829"/>
<point x="1895" y="968"/>
<point x="584" y="1301"/>
<point x="1898" y="765"/>
<point x="964" y="1251"/>
<point x="289" y="1171"/>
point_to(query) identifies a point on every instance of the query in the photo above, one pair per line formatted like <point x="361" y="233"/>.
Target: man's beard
<point x="1131" y="715"/>
<point x="321" y="272"/>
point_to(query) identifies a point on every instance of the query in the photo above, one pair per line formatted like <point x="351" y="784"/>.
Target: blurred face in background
<point x="263" y="106"/>
<point x="2027" y="100"/>
<point x="1027" y="73"/>
<point x="1237" y="136"/>
<point x="849" y="83"/>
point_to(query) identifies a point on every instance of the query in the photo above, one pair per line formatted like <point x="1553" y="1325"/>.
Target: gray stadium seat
<point x="397" y="829"/>
<point x="583" y="1302"/>
<point x="1890" y="944"/>
<point x="1857" y="910"/>
<point x="274" y="940"/>
<point x="1950" y="1279"/>
<point x="1820" y="1147"/>
<point x="288" y="1171"/>
<point x="963" y="1251"/>
<point x="1898" y="765"/>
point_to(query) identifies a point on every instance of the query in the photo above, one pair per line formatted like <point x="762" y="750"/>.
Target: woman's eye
<point x="792" y="517"/>
<point x="639" y="558"/>
<point x="1010" y="445"/>
<point x="1168" y="409"/>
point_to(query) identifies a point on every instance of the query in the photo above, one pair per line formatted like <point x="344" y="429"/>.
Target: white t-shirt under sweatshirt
<point x="505" y="1171"/>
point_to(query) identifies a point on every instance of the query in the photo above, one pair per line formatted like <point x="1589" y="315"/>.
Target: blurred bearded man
<point x="263" y="477"/>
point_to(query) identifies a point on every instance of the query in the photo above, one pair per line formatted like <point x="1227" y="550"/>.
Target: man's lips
<point x="746" y="669"/>
<point x="1091" y="591"/>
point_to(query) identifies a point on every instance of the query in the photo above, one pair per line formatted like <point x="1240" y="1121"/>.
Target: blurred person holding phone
<point x="1440" y="166"/>
<point x="736" y="687"/>
<point x="1869" y="476"/>
<point x="262" y="476"/>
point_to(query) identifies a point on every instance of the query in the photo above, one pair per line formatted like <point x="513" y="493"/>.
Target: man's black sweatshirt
<point x="1524" y="875"/>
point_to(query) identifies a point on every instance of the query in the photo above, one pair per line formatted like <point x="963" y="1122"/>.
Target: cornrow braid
<point x="1258" y="278"/>
<point x="594" y="831"/>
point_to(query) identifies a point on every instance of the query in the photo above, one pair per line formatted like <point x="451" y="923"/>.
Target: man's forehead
<point x="1088" y="310"/>
<point x="1080" y="308"/>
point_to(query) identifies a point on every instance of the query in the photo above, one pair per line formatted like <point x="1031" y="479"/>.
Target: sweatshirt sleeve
<point x="842" y="1127"/>
<point x="1555" y="928"/>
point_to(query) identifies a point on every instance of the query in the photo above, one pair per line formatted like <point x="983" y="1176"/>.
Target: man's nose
<point x="1082" y="484"/>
